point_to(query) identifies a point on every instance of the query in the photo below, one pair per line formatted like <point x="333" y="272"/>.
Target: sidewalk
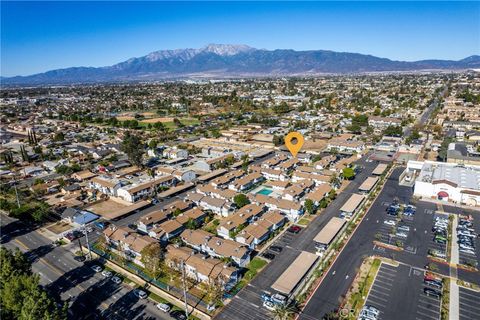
<point x="454" y="245"/>
<point x="450" y="204"/>
<point x="454" y="308"/>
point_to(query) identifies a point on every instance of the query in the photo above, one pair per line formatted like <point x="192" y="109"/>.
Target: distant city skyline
<point x="52" y="35"/>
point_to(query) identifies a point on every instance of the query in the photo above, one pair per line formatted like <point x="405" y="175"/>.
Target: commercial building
<point x="448" y="182"/>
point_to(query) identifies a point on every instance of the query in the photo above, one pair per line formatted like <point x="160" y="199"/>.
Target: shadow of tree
<point x="15" y="229"/>
<point x="70" y="279"/>
<point x="85" y="305"/>
<point x="35" y="254"/>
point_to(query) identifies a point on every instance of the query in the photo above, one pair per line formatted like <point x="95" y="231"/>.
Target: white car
<point x="279" y="299"/>
<point x="140" y="293"/>
<point x="106" y="273"/>
<point x="389" y="222"/>
<point x="269" y="305"/>
<point x="402" y="235"/>
<point x="96" y="268"/>
<point x="163" y="307"/>
<point x="116" y="280"/>
<point x="467" y="251"/>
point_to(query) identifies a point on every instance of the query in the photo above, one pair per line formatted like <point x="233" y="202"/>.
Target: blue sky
<point x="40" y="36"/>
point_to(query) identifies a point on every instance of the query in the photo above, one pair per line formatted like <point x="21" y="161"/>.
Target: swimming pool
<point x="265" y="191"/>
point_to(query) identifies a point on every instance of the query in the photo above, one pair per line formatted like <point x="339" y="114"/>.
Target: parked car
<point x="96" y="268"/>
<point x="268" y="255"/>
<point x="140" y="293"/>
<point x="163" y="307"/>
<point x="467" y="251"/>
<point x="278" y="298"/>
<point x="432" y="292"/>
<point x="116" y="279"/>
<point x="79" y="258"/>
<point x="433" y="283"/>
<point x="372" y="309"/>
<point x="276" y="248"/>
<point x="178" y="315"/>
<point x="106" y="273"/>
<point x="389" y="222"/>
<point x="401" y="234"/>
<point x="438" y="254"/>
<point x="404" y="228"/>
<point x="269" y="305"/>
<point x="294" y="229"/>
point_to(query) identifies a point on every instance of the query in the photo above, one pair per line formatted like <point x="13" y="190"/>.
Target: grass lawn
<point x="170" y="125"/>
<point x="303" y="222"/>
<point x="253" y="267"/>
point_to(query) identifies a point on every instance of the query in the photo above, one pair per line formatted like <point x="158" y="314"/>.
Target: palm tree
<point x="285" y="312"/>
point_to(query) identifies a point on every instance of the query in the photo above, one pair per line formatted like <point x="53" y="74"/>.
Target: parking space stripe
<point x="378" y="287"/>
<point x="429" y="309"/>
<point x="380" y="292"/>
<point x="427" y="315"/>
<point x="464" y="292"/>
<point x="432" y="299"/>
<point x="470" y="306"/>
<point x="462" y="311"/>
<point x="377" y="297"/>
<point x="470" y="299"/>
<point x="385" y="273"/>
<point x="383" y="282"/>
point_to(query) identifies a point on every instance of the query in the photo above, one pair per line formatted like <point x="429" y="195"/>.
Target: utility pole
<point x="86" y="238"/>
<point x="88" y="244"/>
<point x="16" y="192"/>
<point x="184" y="288"/>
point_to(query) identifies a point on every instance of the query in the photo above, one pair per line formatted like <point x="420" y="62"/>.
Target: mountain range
<point x="234" y="61"/>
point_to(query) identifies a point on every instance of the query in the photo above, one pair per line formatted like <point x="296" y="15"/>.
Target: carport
<point x="291" y="277"/>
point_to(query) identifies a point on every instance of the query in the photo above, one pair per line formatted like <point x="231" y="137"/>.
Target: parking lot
<point x="438" y="235"/>
<point x="283" y="242"/>
<point x="397" y="289"/>
<point x="469" y="304"/>
<point x="397" y="226"/>
<point x="469" y="256"/>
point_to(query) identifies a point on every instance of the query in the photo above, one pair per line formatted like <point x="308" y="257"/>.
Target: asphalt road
<point x="427" y="113"/>
<point x="90" y="295"/>
<point x="249" y="297"/>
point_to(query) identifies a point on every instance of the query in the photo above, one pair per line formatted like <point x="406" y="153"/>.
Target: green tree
<point x="59" y="136"/>
<point x="152" y="259"/>
<point x="133" y="147"/>
<point x="348" y="173"/>
<point x="241" y="200"/>
<point x="278" y="140"/>
<point x="153" y="144"/>
<point x="284" y="312"/>
<point x="309" y="206"/>
<point x="21" y="295"/>
<point x="393" y="131"/>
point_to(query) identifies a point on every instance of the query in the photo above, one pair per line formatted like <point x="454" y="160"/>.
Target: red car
<point x="294" y="229"/>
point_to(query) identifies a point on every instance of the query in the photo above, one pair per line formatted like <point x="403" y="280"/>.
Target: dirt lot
<point x="154" y="120"/>
<point x="105" y="207"/>
<point x="59" y="227"/>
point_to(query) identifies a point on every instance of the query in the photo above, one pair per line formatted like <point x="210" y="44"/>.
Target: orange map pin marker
<point x="294" y="142"/>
